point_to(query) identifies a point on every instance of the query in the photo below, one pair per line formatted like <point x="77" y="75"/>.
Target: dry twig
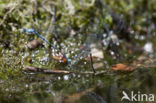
<point x="63" y="72"/>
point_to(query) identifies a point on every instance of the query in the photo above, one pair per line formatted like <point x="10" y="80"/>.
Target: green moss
<point x="73" y="26"/>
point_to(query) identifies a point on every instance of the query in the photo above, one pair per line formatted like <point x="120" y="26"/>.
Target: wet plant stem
<point x="91" y="62"/>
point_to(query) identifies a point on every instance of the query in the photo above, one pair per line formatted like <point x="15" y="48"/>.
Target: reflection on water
<point x="143" y="81"/>
<point x="105" y="88"/>
<point x="95" y="98"/>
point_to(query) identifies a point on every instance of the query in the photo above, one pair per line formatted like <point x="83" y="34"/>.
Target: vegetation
<point x="120" y="35"/>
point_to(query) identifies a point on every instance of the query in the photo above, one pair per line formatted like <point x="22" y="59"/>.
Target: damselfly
<point x="32" y="31"/>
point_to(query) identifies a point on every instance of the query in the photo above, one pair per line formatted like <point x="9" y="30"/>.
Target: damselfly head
<point x="28" y="31"/>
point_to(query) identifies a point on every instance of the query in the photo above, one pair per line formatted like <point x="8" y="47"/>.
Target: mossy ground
<point x="74" y="21"/>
